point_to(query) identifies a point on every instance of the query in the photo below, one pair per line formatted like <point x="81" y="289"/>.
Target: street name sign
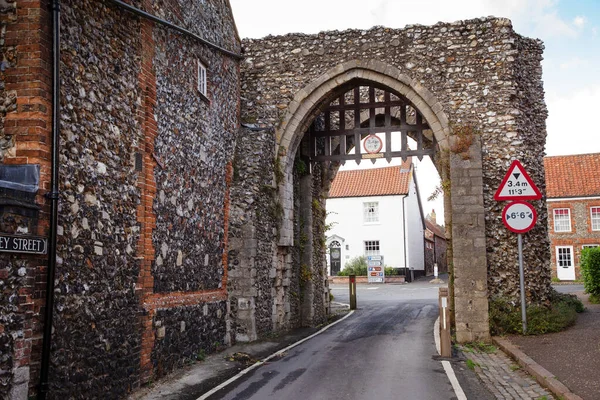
<point x="519" y="216"/>
<point x="23" y="244"/>
<point x="517" y="185"/>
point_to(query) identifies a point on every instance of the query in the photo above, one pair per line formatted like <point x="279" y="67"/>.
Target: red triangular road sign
<point x="517" y="185"/>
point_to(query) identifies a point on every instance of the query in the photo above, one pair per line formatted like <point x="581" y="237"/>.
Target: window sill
<point x="204" y="98"/>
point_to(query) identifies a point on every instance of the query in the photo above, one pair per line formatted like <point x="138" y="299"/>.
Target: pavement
<point x="507" y="370"/>
<point x="563" y="365"/>
<point x="503" y="377"/>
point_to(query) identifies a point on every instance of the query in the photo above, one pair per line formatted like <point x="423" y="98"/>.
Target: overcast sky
<point x="569" y="30"/>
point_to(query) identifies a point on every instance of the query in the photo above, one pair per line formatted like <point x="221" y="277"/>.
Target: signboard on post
<point x="519" y="216"/>
<point x="517" y="185"/>
<point x="375" y="269"/>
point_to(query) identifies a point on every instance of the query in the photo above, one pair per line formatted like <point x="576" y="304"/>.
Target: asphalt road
<point x="385" y="350"/>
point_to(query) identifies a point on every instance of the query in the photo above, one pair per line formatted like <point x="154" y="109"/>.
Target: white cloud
<point x="549" y="24"/>
<point x="259" y="18"/>
<point x="570" y="128"/>
<point x="579" y="21"/>
<point x="574" y="63"/>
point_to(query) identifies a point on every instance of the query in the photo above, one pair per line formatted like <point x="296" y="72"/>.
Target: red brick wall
<point x="27" y="50"/>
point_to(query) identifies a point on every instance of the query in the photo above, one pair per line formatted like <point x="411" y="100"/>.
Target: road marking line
<point x="372" y="288"/>
<point x="264" y="360"/>
<point x="453" y="381"/>
<point x="460" y="394"/>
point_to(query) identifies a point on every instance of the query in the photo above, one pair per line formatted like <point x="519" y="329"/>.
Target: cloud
<point x="257" y="18"/>
<point x="570" y="130"/>
<point x="579" y="21"/>
<point x="549" y="24"/>
<point x="574" y="63"/>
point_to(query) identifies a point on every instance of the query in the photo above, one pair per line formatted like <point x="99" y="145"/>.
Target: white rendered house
<point x="377" y="212"/>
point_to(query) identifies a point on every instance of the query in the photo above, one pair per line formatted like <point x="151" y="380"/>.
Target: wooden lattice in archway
<point x="365" y="110"/>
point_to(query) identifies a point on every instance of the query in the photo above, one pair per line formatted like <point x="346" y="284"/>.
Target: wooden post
<point x="352" y="283"/>
<point x="445" y="342"/>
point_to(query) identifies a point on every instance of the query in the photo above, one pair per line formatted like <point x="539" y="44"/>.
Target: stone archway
<point x="478" y="85"/>
<point x="470" y="298"/>
<point x="301" y="111"/>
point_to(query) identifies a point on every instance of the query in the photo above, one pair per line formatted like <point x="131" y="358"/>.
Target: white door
<point x="565" y="267"/>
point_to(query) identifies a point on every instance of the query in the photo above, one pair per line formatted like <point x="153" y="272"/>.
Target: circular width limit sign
<point x="519" y="216"/>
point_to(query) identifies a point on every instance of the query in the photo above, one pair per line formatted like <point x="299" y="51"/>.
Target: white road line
<point x="372" y="288"/>
<point x="264" y="360"/>
<point x="460" y="394"/>
<point x="453" y="381"/>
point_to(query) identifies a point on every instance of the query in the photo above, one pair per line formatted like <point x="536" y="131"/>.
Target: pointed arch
<point x="305" y="106"/>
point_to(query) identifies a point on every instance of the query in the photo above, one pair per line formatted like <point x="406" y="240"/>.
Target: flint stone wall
<point x="186" y="334"/>
<point x="484" y="75"/>
<point x="8" y="98"/>
<point x="195" y="143"/>
<point x="93" y="351"/>
<point x="260" y="288"/>
<point x="137" y="239"/>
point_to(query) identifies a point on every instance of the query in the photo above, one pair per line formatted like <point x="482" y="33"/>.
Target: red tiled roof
<point x="372" y="182"/>
<point x="435" y="228"/>
<point x="572" y="176"/>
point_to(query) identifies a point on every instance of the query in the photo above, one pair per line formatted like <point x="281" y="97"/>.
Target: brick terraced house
<point x="573" y="198"/>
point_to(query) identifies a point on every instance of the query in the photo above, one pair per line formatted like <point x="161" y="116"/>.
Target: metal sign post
<point x="522" y="282"/>
<point x="519" y="217"/>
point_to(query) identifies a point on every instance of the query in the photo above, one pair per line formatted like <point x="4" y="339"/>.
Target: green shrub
<point x="590" y="270"/>
<point x="356" y="266"/>
<point x="560" y="313"/>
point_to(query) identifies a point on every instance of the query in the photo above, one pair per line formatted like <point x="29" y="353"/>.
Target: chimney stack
<point x="432" y="216"/>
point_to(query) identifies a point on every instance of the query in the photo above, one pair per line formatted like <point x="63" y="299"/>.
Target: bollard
<point x="445" y="342"/>
<point x="352" y="283"/>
